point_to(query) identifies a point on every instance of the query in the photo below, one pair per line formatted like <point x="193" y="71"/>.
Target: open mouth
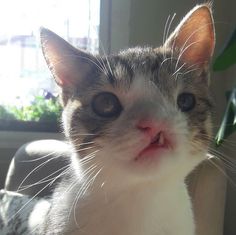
<point x="157" y="146"/>
<point x="158" y="140"/>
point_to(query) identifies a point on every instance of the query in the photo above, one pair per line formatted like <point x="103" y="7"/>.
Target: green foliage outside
<point x="41" y="109"/>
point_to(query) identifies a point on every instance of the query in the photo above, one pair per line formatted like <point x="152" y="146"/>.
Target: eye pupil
<point x="186" y="102"/>
<point x="106" y="105"/>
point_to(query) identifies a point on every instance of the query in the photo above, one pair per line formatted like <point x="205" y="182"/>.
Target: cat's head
<point x="145" y="112"/>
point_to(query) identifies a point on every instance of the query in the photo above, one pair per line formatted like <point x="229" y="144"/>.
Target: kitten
<point x="137" y="122"/>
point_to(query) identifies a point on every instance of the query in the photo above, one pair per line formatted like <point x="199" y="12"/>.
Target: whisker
<point x="183" y="49"/>
<point x="88" y="158"/>
<point x="182" y="52"/>
<point x="178" y="69"/>
<point x="74" y="133"/>
<point x="225" y="159"/>
<point x="101" y="63"/>
<point x="83" y="149"/>
<point x="40" y="158"/>
<point x="90" y="170"/>
<point x="83" y="191"/>
<point x="108" y="64"/>
<point x="45" y="179"/>
<point x="27" y="203"/>
<point x="87" y="171"/>
<point x="165" y="28"/>
<point x="190" y="71"/>
<point x="35" y="169"/>
<point x="166" y="59"/>
<point x="164" y="35"/>
<point x="105" y="68"/>
<point x="223" y="172"/>
<point x="106" y="58"/>
<point x="171" y="21"/>
<point x="86" y="143"/>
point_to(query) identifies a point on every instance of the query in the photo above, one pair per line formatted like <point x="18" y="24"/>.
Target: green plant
<point x="226" y="59"/>
<point x="6" y="114"/>
<point x="42" y="109"/>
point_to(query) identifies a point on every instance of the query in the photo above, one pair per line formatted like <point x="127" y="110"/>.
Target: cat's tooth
<point x="161" y="139"/>
<point x="157" y="138"/>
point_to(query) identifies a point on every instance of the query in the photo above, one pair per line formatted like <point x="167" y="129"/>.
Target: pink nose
<point x="149" y="127"/>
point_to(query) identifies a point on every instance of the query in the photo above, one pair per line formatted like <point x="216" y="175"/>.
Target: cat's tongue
<point x="155" y="148"/>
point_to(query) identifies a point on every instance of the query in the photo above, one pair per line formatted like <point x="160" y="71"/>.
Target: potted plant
<point x="43" y="115"/>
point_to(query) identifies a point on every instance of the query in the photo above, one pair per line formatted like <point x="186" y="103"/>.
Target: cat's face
<point x="145" y="112"/>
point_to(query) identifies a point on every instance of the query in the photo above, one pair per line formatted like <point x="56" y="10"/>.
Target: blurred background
<point x="27" y="91"/>
<point x="23" y="72"/>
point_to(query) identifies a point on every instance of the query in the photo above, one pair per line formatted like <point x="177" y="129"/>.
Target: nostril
<point x="144" y="126"/>
<point x="148" y="127"/>
<point x="144" y="129"/>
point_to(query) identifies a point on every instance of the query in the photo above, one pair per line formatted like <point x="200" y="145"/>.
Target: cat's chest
<point x="143" y="214"/>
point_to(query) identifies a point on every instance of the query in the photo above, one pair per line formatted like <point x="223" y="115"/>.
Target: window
<point x="24" y="74"/>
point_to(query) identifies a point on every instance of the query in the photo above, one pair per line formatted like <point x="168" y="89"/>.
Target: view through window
<point x="23" y="73"/>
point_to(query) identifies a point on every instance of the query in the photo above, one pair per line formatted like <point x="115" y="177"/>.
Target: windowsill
<point x="14" y="134"/>
<point x="29" y="126"/>
<point x="15" y="139"/>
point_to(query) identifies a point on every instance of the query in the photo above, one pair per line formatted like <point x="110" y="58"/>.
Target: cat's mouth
<point x="156" y="147"/>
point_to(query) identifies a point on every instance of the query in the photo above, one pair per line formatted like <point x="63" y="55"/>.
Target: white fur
<point x="128" y="198"/>
<point x="145" y="210"/>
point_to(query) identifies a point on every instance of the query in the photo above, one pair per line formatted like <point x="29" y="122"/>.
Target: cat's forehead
<point x="141" y="59"/>
<point x="142" y="69"/>
<point x="148" y="67"/>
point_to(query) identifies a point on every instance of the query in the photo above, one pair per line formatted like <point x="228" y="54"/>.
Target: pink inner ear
<point x="64" y="60"/>
<point x="63" y="80"/>
<point x="64" y="75"/>
<point x="197" y="50"/>
<point x="194" y="38"/>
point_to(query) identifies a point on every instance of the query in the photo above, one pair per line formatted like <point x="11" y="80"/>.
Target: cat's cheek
<point x="200" y="139"/>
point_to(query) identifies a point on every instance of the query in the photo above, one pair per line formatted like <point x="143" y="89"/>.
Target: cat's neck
<point x="143" y="210"/>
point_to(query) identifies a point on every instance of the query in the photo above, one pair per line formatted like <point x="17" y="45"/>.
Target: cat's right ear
<point x="67" y="64"/>
<point x="194" y="38"/>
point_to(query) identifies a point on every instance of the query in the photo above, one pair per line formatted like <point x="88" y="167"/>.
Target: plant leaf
<point x="228" y="56"/>
<point x="41" y="109"/>
<point x="228" y="124"/>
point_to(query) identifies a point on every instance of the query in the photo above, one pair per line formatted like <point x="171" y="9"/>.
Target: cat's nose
<point x="150" y="127"/>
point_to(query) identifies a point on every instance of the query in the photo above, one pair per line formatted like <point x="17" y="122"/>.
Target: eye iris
<point x="106" y="104"/>
<point x="186" y="102"/>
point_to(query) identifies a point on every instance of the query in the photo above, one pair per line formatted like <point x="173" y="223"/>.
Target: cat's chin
<point x="152" y="153"/>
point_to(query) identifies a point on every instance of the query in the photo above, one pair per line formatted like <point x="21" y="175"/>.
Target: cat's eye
<point x="186" y="102"/>
<point x="106" y="105"/>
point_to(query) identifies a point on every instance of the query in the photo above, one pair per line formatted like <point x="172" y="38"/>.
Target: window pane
<point x="24" y="74"/>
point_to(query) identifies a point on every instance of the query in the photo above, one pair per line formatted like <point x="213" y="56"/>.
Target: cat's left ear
<point x="193" y="41"/>
<point x="68" y="65"/>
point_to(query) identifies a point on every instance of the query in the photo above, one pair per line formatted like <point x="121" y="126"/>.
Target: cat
<point x="137" y="122"/>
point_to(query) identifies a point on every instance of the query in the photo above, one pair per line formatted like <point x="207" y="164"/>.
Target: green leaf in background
<point x="228" y="56"/>
<point x="228" y="124"/>
<point x="5" y="114"/>
<point x="42" y="109"/>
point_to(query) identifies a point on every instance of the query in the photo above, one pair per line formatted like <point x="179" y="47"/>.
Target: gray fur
<point x="146" y="61"/>
<point x="163" y="77"/>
